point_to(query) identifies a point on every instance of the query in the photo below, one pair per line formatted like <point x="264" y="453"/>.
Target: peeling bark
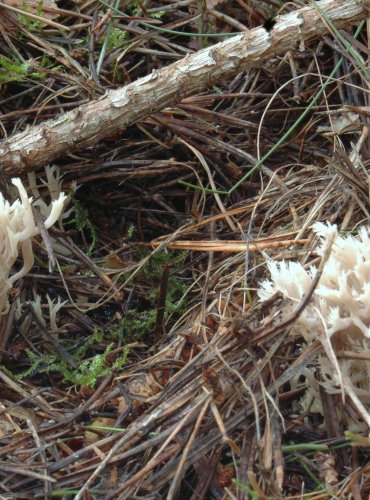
<point x="88" y="124"/>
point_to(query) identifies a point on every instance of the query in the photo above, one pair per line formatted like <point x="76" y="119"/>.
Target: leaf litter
<point x="143" y="365"/>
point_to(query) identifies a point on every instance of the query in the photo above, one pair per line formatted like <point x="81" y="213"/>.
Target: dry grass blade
<point x="229" y="246"/>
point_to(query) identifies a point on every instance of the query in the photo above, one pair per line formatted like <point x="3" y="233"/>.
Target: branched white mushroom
<point x="338" y="313"/>
<point x="54" y="308"/>
<point x="54" y="186"/>
<point x="17" y="227"/>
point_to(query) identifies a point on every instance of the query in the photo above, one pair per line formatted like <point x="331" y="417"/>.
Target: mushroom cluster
<point x="17" y="228"/>
<point x="338" y="313"/>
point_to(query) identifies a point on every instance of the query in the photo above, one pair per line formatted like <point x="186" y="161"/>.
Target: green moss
<point x="12" y="70"/>
<point x="157" y="15"/>
<point x="133" y="8"/>
<point x="116" y="37"/>
<point x="28" y="23"/>
<point x="140" y="321"/>
<point x="81" y="221"/>
<point x="87" y="371"/>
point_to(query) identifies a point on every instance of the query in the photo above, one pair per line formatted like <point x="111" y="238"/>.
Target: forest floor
<point x="133" y="369"/>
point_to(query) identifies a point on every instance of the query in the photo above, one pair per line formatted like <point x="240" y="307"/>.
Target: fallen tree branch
<point x="88" y="124"/>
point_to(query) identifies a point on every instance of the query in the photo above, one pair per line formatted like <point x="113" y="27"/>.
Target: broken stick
<point x="88" y="124"/>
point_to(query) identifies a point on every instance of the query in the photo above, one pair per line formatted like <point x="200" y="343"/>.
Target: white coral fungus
<point x="338" y="313"/>
<point x="54" y="186"/>
<point x="17" y="227"/>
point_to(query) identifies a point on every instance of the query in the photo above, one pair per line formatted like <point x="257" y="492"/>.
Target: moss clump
<point x="140" y="320"/>
<point x="87" y="371"/>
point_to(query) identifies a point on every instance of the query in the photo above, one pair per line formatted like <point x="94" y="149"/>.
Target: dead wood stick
<point x="88" y="124"/>
<point x="231" y="246"/>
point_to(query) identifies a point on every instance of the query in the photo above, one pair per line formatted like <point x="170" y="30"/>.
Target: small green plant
<point x="88" y="371"/>
<point x="140" y="321"/>
<point x="115" y="38"/>
<point x="27" y="22"/>
<point x="16" y="71"/>
<point x="131" y="231"/>
<point x="46" y="62"/>
<point x="81" y="221"/>
<point x="157" y="15"/>
<point x="136" y="323"/>
<point x="133" y="8"/>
